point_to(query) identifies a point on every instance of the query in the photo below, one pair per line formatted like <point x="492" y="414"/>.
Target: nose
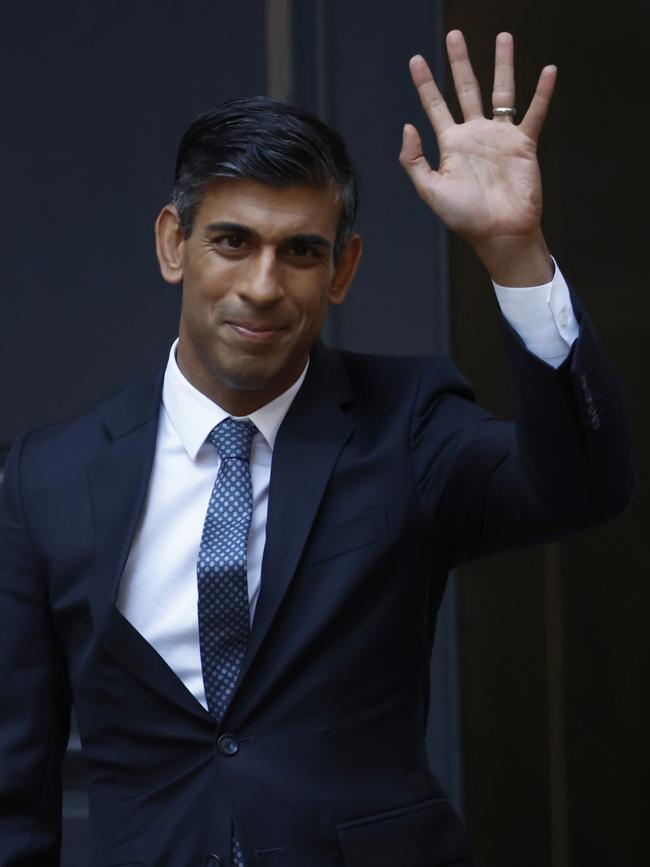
<point x="261" y="283"/>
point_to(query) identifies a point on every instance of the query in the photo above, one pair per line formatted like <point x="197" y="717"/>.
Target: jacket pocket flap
<point x="426" y="834"/>
<point x="336" y="539"/>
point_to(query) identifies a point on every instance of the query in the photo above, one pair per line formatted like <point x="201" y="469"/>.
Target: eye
<point x="301" y="250"/>
<point x="233" y="242"/>
<point x="306" y="252"/>
<point x="230" y="245"/>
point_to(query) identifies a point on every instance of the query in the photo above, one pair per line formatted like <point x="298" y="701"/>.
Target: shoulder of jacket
<point x="436" y="372"/>
<point x="77" y="439"/>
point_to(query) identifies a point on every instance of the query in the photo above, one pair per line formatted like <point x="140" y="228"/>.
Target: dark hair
<point x="265" y="140"/>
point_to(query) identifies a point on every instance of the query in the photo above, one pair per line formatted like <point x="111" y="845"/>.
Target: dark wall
<point x="554" y="643"/>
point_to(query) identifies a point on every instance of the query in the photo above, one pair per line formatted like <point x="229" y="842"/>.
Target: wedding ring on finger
<point x="507" y="113"/>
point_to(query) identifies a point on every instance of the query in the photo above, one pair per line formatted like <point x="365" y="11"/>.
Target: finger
<point x="430" y="97"/>
<point x="503" y="92"/>
<point x="415" y="163"/>
<point x="465" y="83"/>
<point x="538" y="108"/>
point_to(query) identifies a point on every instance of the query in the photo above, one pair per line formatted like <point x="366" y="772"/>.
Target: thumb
<point x="415" y="163"/>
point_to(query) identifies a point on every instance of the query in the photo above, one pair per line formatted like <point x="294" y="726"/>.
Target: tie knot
<point x="232" y="439"/>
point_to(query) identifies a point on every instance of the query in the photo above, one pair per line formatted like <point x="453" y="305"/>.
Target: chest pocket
<point x="340" y="538"/>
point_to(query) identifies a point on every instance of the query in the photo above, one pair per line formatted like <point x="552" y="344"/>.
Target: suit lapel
<point x="308" y="444"/>
<point x="118" y="481"/>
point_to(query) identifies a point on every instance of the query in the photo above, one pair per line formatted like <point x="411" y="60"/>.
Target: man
<point x="233" y="568"/>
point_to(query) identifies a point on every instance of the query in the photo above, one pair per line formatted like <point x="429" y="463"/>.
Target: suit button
<point x="227" y="745"/>
<point x="214" y="861"/>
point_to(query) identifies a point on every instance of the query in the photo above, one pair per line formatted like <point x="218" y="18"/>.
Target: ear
<point x="345" y="270"/>
<point x="169" y="244"/>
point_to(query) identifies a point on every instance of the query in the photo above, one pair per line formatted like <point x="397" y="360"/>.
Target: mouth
<point x="256" y="332"/>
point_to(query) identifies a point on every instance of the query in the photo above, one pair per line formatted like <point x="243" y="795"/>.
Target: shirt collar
<point x="193" y="415"/>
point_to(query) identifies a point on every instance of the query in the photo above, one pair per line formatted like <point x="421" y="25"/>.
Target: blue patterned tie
<point x="224" y="619"/>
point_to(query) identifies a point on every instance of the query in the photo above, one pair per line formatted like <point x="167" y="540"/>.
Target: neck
<point x="237" y="398"/>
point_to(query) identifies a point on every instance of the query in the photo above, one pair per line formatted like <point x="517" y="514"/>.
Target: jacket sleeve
<point x="564" y="464"/>
<point x="34" y="693"/>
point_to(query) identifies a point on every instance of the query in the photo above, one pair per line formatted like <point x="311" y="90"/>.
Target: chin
<point x="253" y="377"/>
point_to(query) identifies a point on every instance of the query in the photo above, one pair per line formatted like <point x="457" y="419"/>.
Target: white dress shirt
<point x="543" y="316"/>
<point x="158" y="590"/>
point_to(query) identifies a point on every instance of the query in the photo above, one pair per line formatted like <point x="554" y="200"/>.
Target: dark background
<point x="540" y="708"/>
<point x="554" y="642"/>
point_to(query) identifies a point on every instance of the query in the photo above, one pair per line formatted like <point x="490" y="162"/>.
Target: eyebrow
<point x="299" y="238"/>
<point x="226" y="226"/>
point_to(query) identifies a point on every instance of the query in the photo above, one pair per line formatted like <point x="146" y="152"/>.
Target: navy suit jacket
<point x="385" y="475"/>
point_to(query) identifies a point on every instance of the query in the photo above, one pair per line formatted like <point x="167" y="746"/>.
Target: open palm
<point x="488" y="183"/>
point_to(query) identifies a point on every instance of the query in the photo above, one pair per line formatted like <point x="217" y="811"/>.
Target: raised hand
<point x="487" y="187"/>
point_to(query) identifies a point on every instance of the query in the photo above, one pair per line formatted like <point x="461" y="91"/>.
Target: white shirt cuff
<point x="543" y="317"/>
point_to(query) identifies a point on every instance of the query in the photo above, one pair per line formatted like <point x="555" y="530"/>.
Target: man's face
<point x="257" y="273"/>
